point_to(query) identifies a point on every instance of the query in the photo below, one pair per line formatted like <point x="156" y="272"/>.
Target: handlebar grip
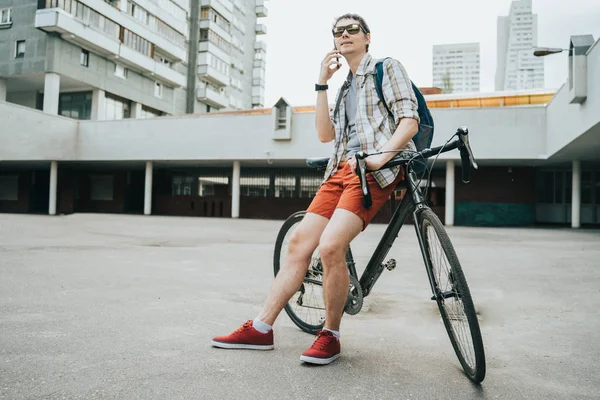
<point x="361" y="167"/>
<point x="466" y="165"/>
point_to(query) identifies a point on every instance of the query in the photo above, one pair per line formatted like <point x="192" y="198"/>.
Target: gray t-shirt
<point x="353" y="140"/>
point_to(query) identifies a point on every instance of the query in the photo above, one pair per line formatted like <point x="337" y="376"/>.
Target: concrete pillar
<point x="2" y="89"/>
<point x="136" y="110"/>
<point x="449" y="193"/>
<point x="235" y="191"/>
<point x="53" y="187"/>
<point x="148" y="189"/>
<point x="576" y="196"/>
<point x="98" y="105"/>
<point x="51" y="92"/>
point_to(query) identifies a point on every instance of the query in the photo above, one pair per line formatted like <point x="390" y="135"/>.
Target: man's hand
<point x="373" y="162"/>
<point x="326" y="70"/>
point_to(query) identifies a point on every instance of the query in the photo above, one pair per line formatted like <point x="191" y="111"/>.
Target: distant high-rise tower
<point x="456" y="67"/>
<point x="517" y="68"/>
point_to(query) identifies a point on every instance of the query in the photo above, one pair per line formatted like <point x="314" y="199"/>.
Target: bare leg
<point x="341" y="230"/>
<point x="303" y="243"/>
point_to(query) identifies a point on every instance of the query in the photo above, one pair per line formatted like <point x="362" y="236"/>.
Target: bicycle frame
<point x="414" y="203"/>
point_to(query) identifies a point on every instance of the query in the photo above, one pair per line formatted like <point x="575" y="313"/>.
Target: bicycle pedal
<point x="390" y="264"/>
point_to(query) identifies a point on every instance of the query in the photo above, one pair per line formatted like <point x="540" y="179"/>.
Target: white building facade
<point x="517" y="68"/>
<point x="538" y="158"/>
<point x="456" y="67"/>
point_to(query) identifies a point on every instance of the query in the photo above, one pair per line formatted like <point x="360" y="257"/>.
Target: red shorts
<point x="343" y="190"/>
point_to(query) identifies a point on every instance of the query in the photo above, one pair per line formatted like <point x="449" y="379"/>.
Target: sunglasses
<point x="352" y="29"/>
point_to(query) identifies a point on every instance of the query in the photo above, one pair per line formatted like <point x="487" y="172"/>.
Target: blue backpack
<point x="424" y="136"/>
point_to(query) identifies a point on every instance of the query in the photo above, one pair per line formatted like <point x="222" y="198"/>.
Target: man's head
<point x="351" y="34"/>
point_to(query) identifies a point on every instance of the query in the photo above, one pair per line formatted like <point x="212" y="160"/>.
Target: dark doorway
<point x="40" y="192"/>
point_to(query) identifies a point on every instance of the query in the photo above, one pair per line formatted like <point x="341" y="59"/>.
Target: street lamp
<point x="545" y="51"/>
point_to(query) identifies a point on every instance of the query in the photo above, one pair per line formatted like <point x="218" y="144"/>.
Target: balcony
<point x="78" y="32"/>
<point x="261" y="29"/>
<point x="216" y="28"/>
<point x="104" y="42"/>
<point x="223" y="7"/>
<point x="259" y="64"/>
<point x="103" y="14"/>
<point x="215" y="50"/>
<point x="258" y="102"/>
<point x="260" y="9"/>
<point x="258" y="82"/>
<point x="211" y="97"/>
<point x="260" y="45"/>
<point x="212" y="75"/>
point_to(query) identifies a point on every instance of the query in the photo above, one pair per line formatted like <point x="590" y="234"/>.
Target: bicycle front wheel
<point x="453" y="297"/>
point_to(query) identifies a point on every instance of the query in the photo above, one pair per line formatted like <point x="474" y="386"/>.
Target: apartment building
<point x="456" y="67"/>
<point x="231" y="61"/>
<point x="517" y="68"/>
<point x="117" y="59"/>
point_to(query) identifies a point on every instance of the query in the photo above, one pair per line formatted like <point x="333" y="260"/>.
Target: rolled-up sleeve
<point x="398" y="92"/>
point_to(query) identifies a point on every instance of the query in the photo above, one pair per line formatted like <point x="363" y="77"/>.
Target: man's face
<point x="350" y="40"/>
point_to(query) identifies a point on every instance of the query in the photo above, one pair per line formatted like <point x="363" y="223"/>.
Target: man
<point x="337" y="215"/>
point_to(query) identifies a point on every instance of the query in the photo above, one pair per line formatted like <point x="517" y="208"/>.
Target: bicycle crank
<point x="354" y="301"/>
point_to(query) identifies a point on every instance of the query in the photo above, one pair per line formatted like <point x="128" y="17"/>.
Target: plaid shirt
<point x="373" y="126"/>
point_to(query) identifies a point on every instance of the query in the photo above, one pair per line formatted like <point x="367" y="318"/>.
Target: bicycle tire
<point x="473" y="365"/>
<point x="305" y="326"/>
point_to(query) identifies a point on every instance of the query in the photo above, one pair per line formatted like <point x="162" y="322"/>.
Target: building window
<point x="182" y="185"/>
<point x="148" y="112"/>
<point x="20" y="49"/>
<point x="75" y="105"/>
<point x="158" y="89"/>
<point x="101" y="187"/>
<point x="9" y="187"/>
<point x="84" y="58"/>
<point x="6" y="16"/>
<point x="120" y="71"/>
<point x="117" y="107"/>
<point x="163" y="60"/>
<point x="213" y="186"/>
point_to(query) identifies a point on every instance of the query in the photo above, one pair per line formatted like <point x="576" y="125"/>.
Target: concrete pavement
<point x="115" y="306"/>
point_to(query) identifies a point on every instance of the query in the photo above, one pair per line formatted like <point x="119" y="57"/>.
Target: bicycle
<point x="448" y="284"/>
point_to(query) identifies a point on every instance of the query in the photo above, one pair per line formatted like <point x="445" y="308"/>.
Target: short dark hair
<point x="356" y="17"/>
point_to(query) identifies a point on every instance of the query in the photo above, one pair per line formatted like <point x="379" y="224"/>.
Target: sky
<point x="299" y="36"/>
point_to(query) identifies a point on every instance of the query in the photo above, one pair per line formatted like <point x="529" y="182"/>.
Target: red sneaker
<point x="324" y="350"/>
<point x="245" y="337"/>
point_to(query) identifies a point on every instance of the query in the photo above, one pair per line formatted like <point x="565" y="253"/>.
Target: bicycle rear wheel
<point x="306" y="308"/>
<point x="453" y="297"/>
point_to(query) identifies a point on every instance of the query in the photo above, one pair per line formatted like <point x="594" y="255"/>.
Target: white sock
<point x="261" y="326"/>
<point x="335" y="333"/>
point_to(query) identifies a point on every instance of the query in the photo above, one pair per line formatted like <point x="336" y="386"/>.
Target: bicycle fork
<point x="419" y="207"/>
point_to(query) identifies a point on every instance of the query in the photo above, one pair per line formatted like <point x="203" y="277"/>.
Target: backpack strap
<point x="379" y="83"/>
<point x="339" y="99"/>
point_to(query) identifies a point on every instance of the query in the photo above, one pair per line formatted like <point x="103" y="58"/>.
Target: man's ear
<point x="368" y="35"/>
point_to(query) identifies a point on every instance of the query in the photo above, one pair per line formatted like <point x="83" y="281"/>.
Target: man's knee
<point x="332" y="250"/>
<point x="300" y="244"/>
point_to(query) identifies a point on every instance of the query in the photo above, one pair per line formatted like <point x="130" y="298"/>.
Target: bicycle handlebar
<point x="462" y="143"/>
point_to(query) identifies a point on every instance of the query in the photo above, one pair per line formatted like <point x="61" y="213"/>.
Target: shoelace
<point x="247" y="325"/>
<point x="323" y="339"/>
